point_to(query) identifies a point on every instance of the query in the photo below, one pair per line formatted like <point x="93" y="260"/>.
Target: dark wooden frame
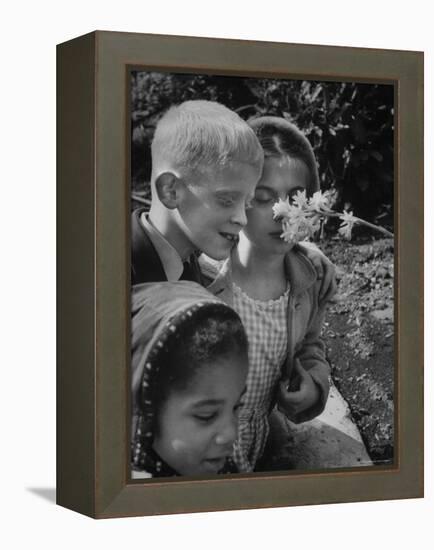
<point x="93" y="268"/>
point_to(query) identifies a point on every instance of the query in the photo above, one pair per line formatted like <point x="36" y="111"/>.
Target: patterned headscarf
<point x="158" y="309"/>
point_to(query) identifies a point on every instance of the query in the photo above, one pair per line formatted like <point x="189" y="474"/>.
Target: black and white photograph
<point x="262" y="274"/>
<point x="216" y="237"/>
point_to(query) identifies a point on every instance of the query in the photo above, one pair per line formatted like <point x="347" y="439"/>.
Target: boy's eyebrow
<point x="233" y="194"/>
<point x="230" y="192"/>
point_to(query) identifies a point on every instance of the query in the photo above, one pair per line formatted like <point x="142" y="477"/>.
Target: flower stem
<point x="373" y="226"/>
<point x="359" y="221"/>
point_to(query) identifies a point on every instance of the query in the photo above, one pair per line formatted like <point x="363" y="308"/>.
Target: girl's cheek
<point x="178" y="445"/>
<point x="253" y="215"/>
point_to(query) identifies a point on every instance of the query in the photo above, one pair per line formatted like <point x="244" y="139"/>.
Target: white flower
<point x="289" y="232"/>
<point x="346" y="227"/>
<point x="300" y="200"/>
<point x="281" y="209"/>
<point x="347" y="217"/>
<point x="305" y="230"/>
<point x="319" y="201"/>
<point x="299" y="222"/>
<point x="314" y="223"/>
<point x="297" y="228"/>
<point x="295" y="214"/>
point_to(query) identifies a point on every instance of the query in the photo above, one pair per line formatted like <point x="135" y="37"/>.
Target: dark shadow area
<point x="312" y="445"/>
<point x="47" y="493"/>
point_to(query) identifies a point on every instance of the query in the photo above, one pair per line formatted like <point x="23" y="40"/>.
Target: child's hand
<point x="304" y="397"/>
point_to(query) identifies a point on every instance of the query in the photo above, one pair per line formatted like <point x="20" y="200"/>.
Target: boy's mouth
<point x="231" y="237"/>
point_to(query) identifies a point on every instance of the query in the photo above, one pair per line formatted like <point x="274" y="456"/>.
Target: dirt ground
<point x="359" y="334"/>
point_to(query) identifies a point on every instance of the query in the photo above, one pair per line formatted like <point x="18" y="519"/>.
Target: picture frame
<point x="93" y="274"/>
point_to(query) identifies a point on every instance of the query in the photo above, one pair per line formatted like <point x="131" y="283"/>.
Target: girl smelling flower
<point x="273" y="285"/>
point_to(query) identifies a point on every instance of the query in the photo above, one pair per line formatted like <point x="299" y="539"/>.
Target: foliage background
<point x="350" y="126"/>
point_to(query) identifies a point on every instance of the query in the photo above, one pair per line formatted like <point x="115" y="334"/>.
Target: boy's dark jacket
<point x="146" y="266"/>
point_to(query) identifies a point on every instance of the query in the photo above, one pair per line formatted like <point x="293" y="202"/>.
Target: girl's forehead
<point x="284" y="171"/>
<point x="215" y="377"/>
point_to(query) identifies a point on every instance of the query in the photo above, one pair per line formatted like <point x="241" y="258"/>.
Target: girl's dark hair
<point x="280" y="137"/>
<point x="211" y="332"/>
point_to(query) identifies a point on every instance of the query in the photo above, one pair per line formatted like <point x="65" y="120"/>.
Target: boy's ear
<point x="166" y="186"/>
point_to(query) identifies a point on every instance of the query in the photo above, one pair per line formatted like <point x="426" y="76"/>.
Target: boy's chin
<point x="219" y="254"/>
<point x="216" y="256"/>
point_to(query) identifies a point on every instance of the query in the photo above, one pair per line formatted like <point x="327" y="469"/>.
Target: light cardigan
<point x="307" y="302"/>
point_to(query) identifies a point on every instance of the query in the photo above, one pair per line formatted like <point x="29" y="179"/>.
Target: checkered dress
<point x="266" y="325"/>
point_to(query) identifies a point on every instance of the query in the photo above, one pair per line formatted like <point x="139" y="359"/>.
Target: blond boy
<point x="206" y="162"/>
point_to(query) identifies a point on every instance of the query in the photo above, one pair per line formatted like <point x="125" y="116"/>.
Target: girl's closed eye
<point x="205" y="417"/>
<point x="264" y="196"/>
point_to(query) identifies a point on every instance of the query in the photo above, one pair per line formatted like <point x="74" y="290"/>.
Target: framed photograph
<point x="240" y="274"/>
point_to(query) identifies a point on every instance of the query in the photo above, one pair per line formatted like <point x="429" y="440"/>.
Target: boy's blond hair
<point x="197" y="135"/>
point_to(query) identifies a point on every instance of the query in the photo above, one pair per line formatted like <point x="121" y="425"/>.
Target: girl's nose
<point x="228" y="432"/>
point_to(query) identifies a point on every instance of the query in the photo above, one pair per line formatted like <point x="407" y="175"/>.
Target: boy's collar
<point x="169" y="256"/>
<point x="218" y="272"/>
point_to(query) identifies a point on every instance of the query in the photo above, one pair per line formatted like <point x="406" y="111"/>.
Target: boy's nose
<point x="239" y="217"/>
<point x="228" y="432"/>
